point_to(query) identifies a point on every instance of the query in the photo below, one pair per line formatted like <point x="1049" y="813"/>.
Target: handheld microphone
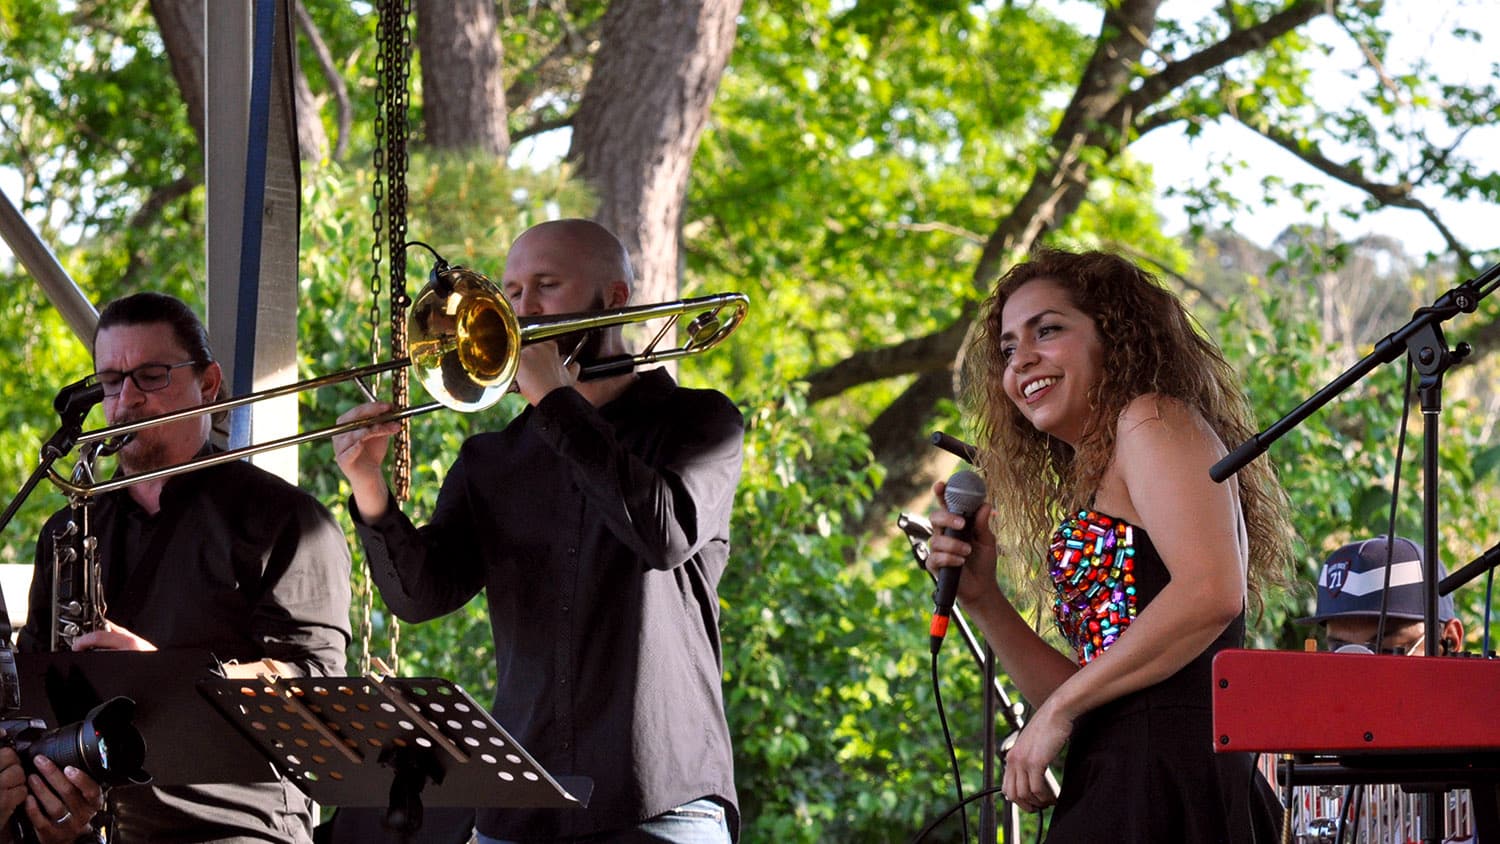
<point x="963" y="496"/>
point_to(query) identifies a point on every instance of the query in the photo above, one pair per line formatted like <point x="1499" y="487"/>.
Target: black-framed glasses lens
<point x="1339" y="646"/>
<point x="148" y="378"/>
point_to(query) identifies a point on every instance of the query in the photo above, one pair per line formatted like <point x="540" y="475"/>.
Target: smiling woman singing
<point x="1099" y="408"/>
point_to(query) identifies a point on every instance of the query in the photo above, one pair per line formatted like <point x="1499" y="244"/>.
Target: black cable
<point x="1390" y="535"/>
<point x="435" y="255"/>
<point x="1489" y="601"/>
<point x="958" y="783"/>
<point x="982" y="793"/>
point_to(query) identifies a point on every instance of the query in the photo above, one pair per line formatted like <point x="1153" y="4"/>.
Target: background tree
<point x="862" y="170"/>
<point x="640" y="120"/>
<point x="462" y="85"/>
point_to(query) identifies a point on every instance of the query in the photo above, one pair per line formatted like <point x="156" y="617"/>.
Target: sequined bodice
<point x="1094" y="572"/>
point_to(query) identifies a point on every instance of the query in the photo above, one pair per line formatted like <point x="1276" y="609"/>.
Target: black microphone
<point x="963" y="495"/>
<point x="78" y="397"/>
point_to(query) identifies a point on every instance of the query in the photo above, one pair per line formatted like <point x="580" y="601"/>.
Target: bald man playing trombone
<point x="597" y="524"/>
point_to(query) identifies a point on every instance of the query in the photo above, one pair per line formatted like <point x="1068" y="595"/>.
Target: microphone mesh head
<point x="964" y="493"/>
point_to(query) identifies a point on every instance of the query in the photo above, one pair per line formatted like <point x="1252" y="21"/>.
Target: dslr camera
<point x="105" y="744"/>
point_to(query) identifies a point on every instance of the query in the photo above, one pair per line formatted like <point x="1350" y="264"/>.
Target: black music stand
<point x="388" y="741"/>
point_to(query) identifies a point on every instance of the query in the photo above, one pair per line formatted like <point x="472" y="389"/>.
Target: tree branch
<point x="573" y="44"/>
<point x="540" y="127"/>
<point x="1397" y="196"/>
<point x="1101" y="101"/>
<point x="336" y="85"/>
<point x="160" y="198"/>
<point x="916" y="355"/>
<point x="1237" y="44"/>
<point x="1102" y="115"/>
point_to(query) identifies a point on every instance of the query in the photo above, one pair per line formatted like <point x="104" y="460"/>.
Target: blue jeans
<point x="701" y="821"/>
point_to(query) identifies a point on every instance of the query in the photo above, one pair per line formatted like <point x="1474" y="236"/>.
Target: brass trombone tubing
<point x="544" y="327"/>
<point x="204" y="462"/>
<point x="249" y="398"/>
<point x="534" y="329"/>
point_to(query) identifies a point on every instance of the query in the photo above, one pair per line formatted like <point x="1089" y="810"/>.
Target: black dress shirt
<point x="599" y="536"/>
<point x="236" y="561"/>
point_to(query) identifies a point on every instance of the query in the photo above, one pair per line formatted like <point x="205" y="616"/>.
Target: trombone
<point x="465" y="348"/>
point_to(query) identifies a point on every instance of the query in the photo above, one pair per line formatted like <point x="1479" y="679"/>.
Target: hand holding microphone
<point x="963" y="495"/>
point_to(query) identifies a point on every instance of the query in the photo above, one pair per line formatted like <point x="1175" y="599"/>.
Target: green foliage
<point x="826" y="671"/>
<point x="858" y="156"/>
<point x="96" y="130"/>
<point x="848" y="188"/>
<point x="1339" y="464"/>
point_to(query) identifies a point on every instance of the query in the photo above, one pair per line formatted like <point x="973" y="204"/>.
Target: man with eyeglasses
<point x="1349" y="598"/>
<point x="228" y="558"/>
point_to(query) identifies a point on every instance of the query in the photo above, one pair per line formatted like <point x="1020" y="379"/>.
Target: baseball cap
<point x="1351" y="579"/>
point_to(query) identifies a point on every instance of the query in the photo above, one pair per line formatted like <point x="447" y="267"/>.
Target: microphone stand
<point x="1421" y="339"/>
<point x="996" y="699"/>
<point x="72" y="404"/>
<point x="918" y="531"/>
<point x="1479" y="565"/>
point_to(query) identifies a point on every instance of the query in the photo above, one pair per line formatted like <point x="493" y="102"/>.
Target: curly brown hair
<point x="1152" y="346"/>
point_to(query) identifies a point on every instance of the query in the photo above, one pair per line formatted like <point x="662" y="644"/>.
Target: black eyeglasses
<point x="1340" y="646"/>
<point x="148" y="377"/>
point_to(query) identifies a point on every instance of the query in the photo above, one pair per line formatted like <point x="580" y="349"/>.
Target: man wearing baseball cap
<point x="1349" y="589"/>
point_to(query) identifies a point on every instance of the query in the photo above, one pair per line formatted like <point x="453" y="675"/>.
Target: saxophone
<point x="77" y="578"/>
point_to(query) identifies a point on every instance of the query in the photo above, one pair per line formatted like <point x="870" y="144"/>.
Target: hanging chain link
<point x="398" y="34"/>
<point x="388" y="218"/>
<point x="396" y="161"/>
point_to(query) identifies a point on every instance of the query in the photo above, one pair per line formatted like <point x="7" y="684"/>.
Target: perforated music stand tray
<point x="389" y="741"/>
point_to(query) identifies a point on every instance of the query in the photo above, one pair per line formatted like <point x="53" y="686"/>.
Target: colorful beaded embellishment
<point x="1093" y="571"/>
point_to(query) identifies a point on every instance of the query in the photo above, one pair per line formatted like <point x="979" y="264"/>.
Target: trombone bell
<point x="464" y="340"/>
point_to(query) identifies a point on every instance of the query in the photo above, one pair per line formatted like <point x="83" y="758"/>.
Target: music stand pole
<point x="1479" y="565"/>
<point x="1431" y="356"/>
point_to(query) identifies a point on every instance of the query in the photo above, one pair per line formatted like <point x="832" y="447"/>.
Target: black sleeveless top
<point x="1141" y="768"/>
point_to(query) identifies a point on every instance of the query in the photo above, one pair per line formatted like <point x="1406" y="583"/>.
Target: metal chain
<point x="388" y="218"/>
<point x="377" y="225"/>
<point x="396" y="159"/>
<point x="398" y="42"/>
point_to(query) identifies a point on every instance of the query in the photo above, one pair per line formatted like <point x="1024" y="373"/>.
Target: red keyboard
<point x="1298" y="702"/>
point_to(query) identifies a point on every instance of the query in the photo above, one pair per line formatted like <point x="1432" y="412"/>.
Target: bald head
<point x="590" y="251"/>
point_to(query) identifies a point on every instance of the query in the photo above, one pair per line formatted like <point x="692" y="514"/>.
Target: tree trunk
<point x="181" y="24"/>
<point x="312" y="138"/>
<point x="463" y="93"/>
<point x="640" y="121"/>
